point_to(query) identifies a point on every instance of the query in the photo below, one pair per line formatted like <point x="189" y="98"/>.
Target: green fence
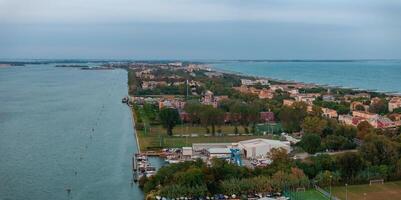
<point x="269" y="128"/>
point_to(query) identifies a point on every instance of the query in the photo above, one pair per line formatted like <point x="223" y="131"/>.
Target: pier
<point x="141" y="166"/>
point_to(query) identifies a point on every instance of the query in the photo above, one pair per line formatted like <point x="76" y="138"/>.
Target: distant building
<point x="219" y="152"/>
<point x="152" y="84"/>
<point x="330" y="113"/>
<point x="328" y="97"/>
<point x="213" y="74"/>
<point x="293" y="92"/>
<point x="381" y="122"/>
<point x="350" y="120"/>
<point x="209" y="99"/>
<point x="184" y="116"/>
<point x="266" y="116"/>
<point x="187" y="152"/>
<point x="288" y="102"/>
<point x="349" y="97"/>
<point x="356" y="104"/>
<point x="176" y="64"/>
<point x="266" y="94"/>
<point x="145" y="74"/>
<point x="375" y="120"/>
<point x="396" y="118"/>
<point x="276" y="87"/>
<point x="307" y="98"/>
<point x="364" y="114"/>
<point x="263" y="82"/>
<point x="248" y="82"/>
<point x="394" y="103"/>
<point x="375" y="100"/>
<point x="172" y="103"/>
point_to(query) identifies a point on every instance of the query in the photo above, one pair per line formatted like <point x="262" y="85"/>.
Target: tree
<point x="349" y="164"/>
<point x="397" y="110"/>
<point x="210" y="116"/>
<point x="379" y="107"/>
<point x="337" y="142"/>
<point x="314" y="125"/>
<point x="378" y="150"/>
<point x="292" y="116"/>
<point x="359" y="107"/>
<point x="316" y="111"/>
<point x="310" y="143"/>
<point x="244" y="114"/>
<point x="169" y="117"/>
<point x="323" y="162"/>
<point x="191" y="177"/>
<point x="280" y="160"/>
<point x="364" y="129"/>
<point x="327" y="178"/>
<point x="347" y="131"/>
<point x="193" y="108"/>
<point x="297" y="178"/>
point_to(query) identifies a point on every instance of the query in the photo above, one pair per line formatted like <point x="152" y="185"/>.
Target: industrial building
<point x="259" y="148"/>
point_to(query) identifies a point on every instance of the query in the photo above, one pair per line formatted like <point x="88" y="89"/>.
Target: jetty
<point x="141" y="166"/>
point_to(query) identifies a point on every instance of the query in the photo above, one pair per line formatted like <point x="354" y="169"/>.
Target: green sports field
<point x="311" y="194"/>
<point x="388" y="190"/>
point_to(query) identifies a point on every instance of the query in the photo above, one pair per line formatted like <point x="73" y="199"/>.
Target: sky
<point x="200" y="29"/>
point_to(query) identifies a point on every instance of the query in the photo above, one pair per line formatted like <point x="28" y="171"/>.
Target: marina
<point x="141" y="166"/>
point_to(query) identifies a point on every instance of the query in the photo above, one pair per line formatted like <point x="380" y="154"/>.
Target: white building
<point x="187" y="151"/>
<point x="219" y="152"/>
<point x="249" y="82"/>
<point x="257" y="148"/>
<point x="246" y="82"/>
<point x="394" y="103"/>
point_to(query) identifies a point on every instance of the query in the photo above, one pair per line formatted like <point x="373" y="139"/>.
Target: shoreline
<point x="138" y="145"/>
<point x="388" y="93"/>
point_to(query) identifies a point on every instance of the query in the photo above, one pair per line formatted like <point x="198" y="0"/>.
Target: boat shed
<point x="259" y="148"/>
<point x="219" y="152"/>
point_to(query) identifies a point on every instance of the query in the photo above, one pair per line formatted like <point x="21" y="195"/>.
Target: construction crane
<point x="236" y="156"/>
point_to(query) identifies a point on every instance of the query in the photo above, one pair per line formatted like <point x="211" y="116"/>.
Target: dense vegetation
<point x="378" y="158"/>
<point x="198" y="179"/>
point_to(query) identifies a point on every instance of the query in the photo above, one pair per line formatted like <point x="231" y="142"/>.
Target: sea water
<point x="65" y="129"/>
<point x="380" y="75"/>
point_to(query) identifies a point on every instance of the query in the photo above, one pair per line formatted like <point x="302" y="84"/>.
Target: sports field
<point x="388" y="190"/>
<point x="311" y="194"/>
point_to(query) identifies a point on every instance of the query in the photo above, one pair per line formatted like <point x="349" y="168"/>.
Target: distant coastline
<point x="250" y="70"/>
<point x="306" y="83"/>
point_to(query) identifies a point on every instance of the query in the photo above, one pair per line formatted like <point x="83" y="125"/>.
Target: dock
<point x="141" y="166"/>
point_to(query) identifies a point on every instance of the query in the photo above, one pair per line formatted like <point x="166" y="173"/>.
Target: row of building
<point x="375" y="120"/>
<point x="262" y="93"/>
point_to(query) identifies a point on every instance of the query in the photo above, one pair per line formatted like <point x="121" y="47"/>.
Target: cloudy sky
<point x="200" y="29"/>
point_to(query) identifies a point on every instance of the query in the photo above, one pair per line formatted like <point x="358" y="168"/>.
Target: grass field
<point x="308" y="195"/>
<point x="155" y="137"/>
<point x="388" y="190"/>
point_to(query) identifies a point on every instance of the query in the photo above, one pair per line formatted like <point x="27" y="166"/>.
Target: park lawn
<point x="388" y="190"/>
<point x="156" y="138"/>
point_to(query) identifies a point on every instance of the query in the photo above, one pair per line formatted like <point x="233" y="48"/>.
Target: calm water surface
<point x="65" y="128"/>
<point x="381" y="75"/>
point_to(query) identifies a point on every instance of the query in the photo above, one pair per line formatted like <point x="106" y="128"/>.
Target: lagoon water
<point x="64" y="128"/>
<point x="381" y="75"/>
